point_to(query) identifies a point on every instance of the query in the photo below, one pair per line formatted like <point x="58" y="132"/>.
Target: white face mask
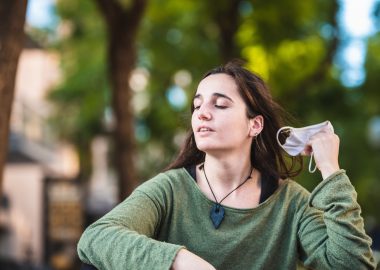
<point x="299" y="138"/>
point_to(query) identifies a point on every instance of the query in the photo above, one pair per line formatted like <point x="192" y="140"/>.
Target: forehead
<point x="221" y="83"/>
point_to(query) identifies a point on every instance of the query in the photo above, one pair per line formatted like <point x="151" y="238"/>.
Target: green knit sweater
<point x="323" y="230"/>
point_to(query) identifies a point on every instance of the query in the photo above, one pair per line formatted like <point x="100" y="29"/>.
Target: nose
<point x="204" y="113"/>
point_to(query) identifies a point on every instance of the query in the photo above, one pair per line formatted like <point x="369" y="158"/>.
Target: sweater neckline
<point x="282" y="184"/>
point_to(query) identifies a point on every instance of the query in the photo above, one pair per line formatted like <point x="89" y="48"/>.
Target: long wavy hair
<point x="266" y="155"/>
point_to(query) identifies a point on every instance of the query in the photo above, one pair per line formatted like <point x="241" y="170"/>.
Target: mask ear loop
<point x="278" y="133"/>
<point x="311" y="163"/>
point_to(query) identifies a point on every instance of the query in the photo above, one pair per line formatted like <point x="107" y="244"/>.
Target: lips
<point x="204" y="129"/>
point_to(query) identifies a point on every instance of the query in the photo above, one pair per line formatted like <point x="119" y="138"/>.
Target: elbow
<point x="84" y="246"/>
<point x="364" y="261"/>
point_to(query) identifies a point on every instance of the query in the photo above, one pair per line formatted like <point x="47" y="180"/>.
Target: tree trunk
<point x="226" y="16"/>
<point x="12" y="14"/>
<point x="122" y="24"/>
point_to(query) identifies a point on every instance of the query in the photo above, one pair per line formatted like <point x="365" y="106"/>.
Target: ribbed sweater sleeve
<point x="331" y="230"/>
<point x="123" y="238"/>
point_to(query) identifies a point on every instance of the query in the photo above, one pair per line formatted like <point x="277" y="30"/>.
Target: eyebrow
<point x="215" y="95"/>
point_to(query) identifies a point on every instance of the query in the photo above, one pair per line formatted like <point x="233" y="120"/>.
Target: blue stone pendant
<point x="217" y="215"/>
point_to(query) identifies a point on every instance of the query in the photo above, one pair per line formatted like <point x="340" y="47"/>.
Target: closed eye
<point x="221" y="107"/>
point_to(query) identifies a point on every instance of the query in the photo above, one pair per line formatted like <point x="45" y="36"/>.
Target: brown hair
<point x="266" y="155"/>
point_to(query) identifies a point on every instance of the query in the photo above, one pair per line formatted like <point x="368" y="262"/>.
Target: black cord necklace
<point x="217" y="210"/>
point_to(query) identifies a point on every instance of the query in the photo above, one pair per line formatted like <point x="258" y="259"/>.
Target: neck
<point x="228" y="172"/>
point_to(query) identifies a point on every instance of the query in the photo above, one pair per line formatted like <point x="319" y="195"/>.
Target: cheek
<point x="193" y="121"/>
<point x="237" y="128"/>
<point x="236" y="120"/>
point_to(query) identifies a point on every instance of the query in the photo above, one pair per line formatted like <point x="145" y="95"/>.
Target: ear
<point x="256" y="125"/>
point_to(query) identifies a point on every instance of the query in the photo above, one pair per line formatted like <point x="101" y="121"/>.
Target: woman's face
<point x="219" y="120"/>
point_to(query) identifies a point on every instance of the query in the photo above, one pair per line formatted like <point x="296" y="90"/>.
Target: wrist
<point x="186" y="260"/>
<point x="178" y="258"/>
<point x="328" y="170"/>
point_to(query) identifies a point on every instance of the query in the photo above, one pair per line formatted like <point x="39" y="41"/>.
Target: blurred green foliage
<point x="291" y="44"/>
<point x="83" y="95"/>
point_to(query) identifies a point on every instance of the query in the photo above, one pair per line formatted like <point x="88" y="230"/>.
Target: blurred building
<point x="40" y="213"/>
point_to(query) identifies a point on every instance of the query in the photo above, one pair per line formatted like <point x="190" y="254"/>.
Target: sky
<point x="40" y="13"/>
<point x="355" y="17"/>
<point x="357" y="21"/>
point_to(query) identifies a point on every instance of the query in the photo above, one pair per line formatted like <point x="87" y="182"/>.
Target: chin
<point x="220" y="147"/>
<point x="204" y="147"/>
<point x="209" y="148"/>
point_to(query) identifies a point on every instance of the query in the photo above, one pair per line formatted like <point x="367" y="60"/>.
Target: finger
<point x="327" y="130"/>
<point x="307" y="150"/>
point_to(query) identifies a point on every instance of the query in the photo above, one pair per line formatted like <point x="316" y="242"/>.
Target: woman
<point x="226" y="202"/>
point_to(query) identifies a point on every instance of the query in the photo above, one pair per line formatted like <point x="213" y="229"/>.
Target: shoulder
<point x="293" y="186"/>
<point x="293" y="192"/>
<point x="163" y="188"/>
<point x="165" y="182"/>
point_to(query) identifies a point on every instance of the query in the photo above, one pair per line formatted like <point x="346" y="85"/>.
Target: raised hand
<point x="325" y="148"/>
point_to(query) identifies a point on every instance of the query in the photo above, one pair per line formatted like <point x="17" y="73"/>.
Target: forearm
<point x="124" y="238"/>
<point x="338" y="238"/>
<point x="114" y="247"/>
